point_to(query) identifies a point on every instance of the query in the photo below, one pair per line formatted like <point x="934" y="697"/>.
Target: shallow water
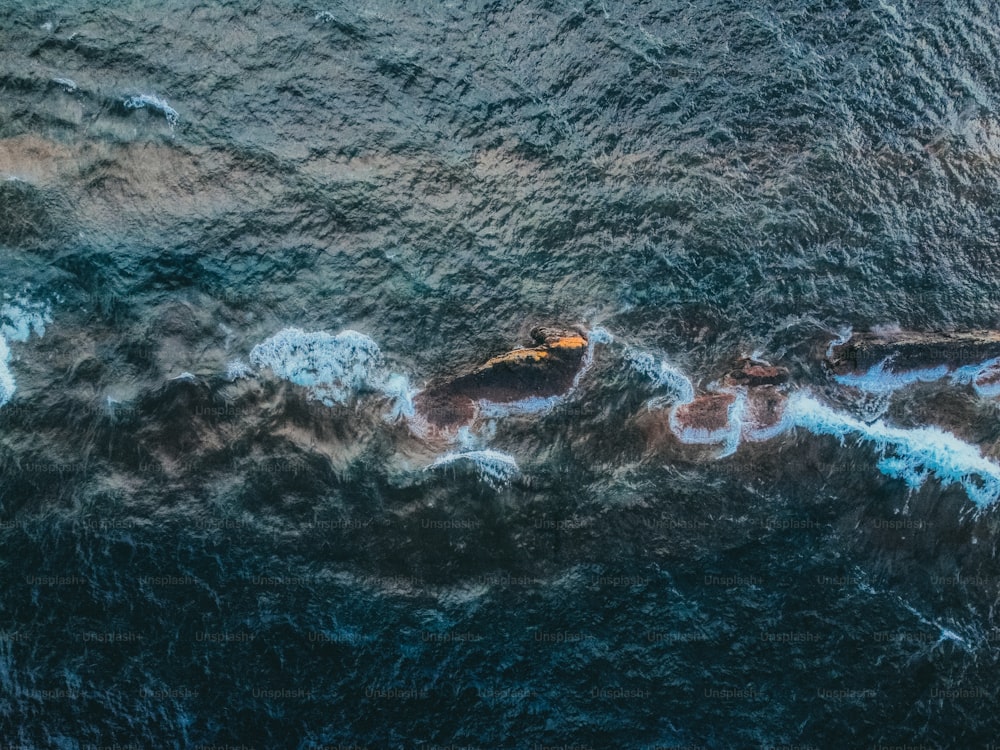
<point x="215" y="531"/>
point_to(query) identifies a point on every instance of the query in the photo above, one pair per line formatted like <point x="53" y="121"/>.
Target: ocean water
<point x="236" y="239"/>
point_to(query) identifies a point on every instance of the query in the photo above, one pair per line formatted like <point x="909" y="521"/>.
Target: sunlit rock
<point x="542" y="371"/>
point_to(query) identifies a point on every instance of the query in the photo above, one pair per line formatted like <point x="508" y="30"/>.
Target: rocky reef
<point x="542" y="371"/>
<point x="912" y="350"/>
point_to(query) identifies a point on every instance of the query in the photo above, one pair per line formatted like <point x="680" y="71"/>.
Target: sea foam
<point x="679" y="388"/>
<point x="908" y="454"/>
<point x="143" y="101"/>
<point x="18" y="320"/>
<point x="495" y="468"/>
<point x="334" y="368"/>
<point x="881" y="380"/>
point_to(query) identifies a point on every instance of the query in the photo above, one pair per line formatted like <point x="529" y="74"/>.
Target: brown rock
<point x="541" y="371"/>
<point x="751" y="373"/>
<point x="709" y="412"/>
<point x="765" y="407"/>
<point x="913" y="350"/>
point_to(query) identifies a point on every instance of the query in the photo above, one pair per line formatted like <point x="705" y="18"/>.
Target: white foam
<point x="908" y="454"/>
<point x="7" y="384"/>
<point x="334" y="368"/>
<point x="237" y="369"/>
<point x="68" y="83"/>
<point x="495" y="468"/>
<point x="19" y="319"/>
<point x="680" y="389"/>
<point x="880" y="380"/>
<point x="22" y="317"/>
<point x="533" y="405"/>
<point x="843" y="336"/>
<point x="397" y="387"/>
<point x="971" y="375"/>
<point x="142" y="101"/>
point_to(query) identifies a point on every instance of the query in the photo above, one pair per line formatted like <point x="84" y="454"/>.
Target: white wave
<point x="495" y="468"/>
<point x="20" y="318"/>
<point x="908" y="454"/>
<point x="880" y="380"/>
<point x="679" y="387"/>
<point x="142" y="101"/>
<point x="334" y="368"/>
<point x="397" y="387"/>
<point x="237" y="369"/>
<point x="68" y="83"/>
<point x="971" y="375"/>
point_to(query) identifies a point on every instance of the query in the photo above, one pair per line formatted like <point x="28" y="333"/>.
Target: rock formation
<point x="541" y="371"/>
<point x="912" y="350"/>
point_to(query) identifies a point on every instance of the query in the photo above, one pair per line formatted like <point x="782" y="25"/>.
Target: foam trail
<point x="908" y="454"/>
<point x="142" y="101"/>
<point x="397" y="387"/>
<point x="68" y="83"/>
<point x="334" y="368"/>
<point x="972" y="375"/>
<point x="843" y="336"/>
<point x="7" y="384"/>
<point x="679" y="387"/>
<point x="495" y="468"/>
<point x="533" y="405"/>
<point x="880" y="380"/>
<point x="19" y="319"/>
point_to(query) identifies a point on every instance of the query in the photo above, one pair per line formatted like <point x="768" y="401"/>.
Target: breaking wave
<point x="155" y="103"/>
<point x="332" y="368"/>
<point x="495" y="468"/>
<point x="19" y="318"/>
<point x="907" y="454"/>
<point x="910" y="454"/>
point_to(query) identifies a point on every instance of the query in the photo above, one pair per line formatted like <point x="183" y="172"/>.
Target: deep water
<point x="220" y="521"/>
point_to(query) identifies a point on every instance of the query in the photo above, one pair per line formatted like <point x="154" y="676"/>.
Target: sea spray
<point x="237" y="369"/>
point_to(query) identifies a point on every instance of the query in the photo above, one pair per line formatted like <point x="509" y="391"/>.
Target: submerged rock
<point x="708" y="413"/>
<point x="541" y="371"/>
<point x="753" y="373"/>
<point x="764" y="411"/>
<point x="912" y="350"/>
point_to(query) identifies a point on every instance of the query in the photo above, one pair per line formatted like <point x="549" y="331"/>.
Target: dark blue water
<point x="200" y="546"/>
